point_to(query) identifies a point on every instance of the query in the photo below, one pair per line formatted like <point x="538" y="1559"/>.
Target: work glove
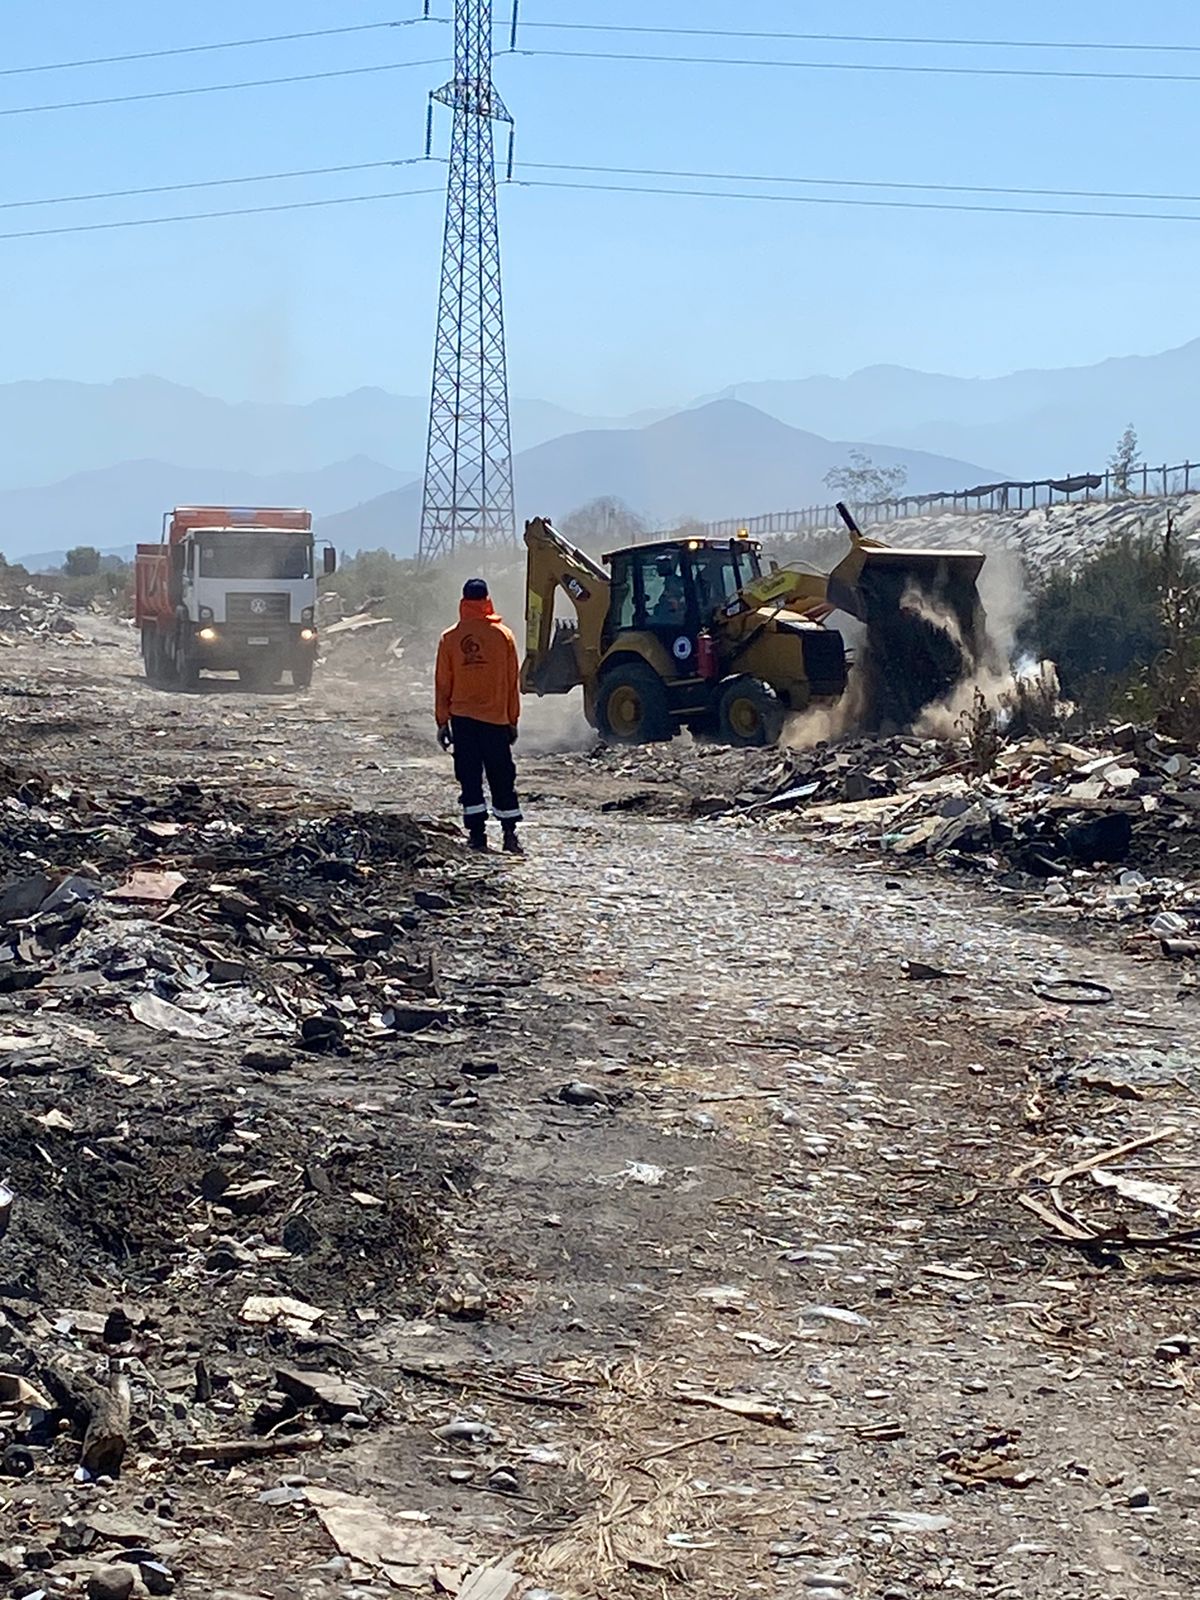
<point x="512" y="735"/>
<point x="445" y="736"/>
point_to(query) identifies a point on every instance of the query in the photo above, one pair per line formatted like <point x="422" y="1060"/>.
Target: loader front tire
<point x="749" y="712"/>
<point x="631" y="706"/>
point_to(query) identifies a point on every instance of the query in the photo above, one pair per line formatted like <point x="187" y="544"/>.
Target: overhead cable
<point x="907" y="68"/>
<point x="219" y="88"/>
<point x="204" y="49"/>
<point x="204" y="216"/>
<point x="863" y="38"/>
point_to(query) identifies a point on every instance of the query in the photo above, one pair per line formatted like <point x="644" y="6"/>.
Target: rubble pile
<point x="29" y="612"/>
<point x="212" y="916"/>
<point x="1107" y="829"/>
<point x="201" y="1211"/>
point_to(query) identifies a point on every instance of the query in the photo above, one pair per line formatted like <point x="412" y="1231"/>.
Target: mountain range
<point x="707" y="462"/>
<point x="1035" y="423"/>
<point x="98" y="463"/>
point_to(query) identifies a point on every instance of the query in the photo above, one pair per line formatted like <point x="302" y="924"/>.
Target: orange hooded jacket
<point x="478" y="674"/>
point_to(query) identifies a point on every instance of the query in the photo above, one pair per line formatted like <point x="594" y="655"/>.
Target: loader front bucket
<point x="926" y="630"/>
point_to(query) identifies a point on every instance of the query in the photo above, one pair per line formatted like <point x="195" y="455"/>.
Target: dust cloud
<point x="554" y="724"/>
<point x="996" y="679"/>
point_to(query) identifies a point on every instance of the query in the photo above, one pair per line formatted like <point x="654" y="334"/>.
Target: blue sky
<point x="615" y="302"/>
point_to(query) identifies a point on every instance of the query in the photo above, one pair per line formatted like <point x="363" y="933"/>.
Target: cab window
<point x="623" y="604"/>
<point x="715" y="575"/>
<point x="665" y="599"/>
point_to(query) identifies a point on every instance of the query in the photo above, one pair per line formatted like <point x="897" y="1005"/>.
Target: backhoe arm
<point x="552" y="666"/>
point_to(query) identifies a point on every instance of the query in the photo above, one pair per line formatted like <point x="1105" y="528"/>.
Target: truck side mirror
<point x="330" y="557"/>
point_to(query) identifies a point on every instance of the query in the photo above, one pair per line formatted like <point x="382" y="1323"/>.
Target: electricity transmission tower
<point x="468" y="497"/>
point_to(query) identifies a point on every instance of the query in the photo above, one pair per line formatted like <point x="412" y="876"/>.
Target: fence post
<point x="1164" y="473"/>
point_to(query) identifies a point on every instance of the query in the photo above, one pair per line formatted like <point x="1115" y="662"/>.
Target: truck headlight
<point x="308" y="634"/>
<point x="208" y="635"/>
<point x="307" y="614"/>
<point x="206" y="614"/>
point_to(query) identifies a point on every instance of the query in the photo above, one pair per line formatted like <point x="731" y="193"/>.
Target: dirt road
<point x="729" y="1286"/>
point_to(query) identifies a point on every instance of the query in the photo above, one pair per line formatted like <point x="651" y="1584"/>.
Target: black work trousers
<point x="484" y="748"/>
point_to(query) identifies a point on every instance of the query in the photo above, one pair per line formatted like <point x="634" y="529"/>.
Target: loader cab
<point x="674" y="588"/>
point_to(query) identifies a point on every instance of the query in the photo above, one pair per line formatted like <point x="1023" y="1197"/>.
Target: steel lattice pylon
<point x="468" y="497"/>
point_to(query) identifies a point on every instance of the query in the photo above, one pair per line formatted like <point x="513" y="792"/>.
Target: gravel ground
<point x="758" y="1221"/>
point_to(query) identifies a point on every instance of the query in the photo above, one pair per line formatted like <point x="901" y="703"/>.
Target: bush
<point x="1103" y="623"/>
<point x="1121" y="627"/>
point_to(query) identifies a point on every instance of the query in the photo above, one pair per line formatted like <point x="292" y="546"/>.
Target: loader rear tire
<point x="631" y="706"/>
<point x="749" y="713"/>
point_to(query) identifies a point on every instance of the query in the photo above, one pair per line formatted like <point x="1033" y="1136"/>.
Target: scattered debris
<point x="403" y="1548"/>
<point x="291" y="1314"/>
<point x="755" y="1408"/>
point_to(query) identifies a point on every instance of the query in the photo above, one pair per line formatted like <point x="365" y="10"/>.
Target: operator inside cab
<point x="671" y="606"/>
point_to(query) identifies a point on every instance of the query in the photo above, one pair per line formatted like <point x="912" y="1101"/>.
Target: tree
<point x="1123" y="459"/>
<point x="82" y="562"/>
<point x="861" y="482"/>
<point x="606" y="521"/>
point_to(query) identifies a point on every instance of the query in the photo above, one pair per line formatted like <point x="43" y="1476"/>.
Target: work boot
<point x="477" y="839"/>
<point x="512" y="845"/>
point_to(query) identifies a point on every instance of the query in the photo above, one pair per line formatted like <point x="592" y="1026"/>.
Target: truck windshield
<point x="274" y="556"/>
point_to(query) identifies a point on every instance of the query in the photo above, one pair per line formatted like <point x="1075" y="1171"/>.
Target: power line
<point x="861" y="38"/>
<point x="203" y="216"/>
<point x="865" y="66"/>
<point x="219" y="88"/>
<point x="860" y="183"/>
<point x="596" y="188"/>
<point x="202" y="49"/>
<point x="207" y="183"/>
<point x="848" y="200"/>
<point x="619" y="172"/>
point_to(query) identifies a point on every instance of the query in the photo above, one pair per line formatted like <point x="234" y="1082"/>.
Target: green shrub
<point x="1107" y="622"/>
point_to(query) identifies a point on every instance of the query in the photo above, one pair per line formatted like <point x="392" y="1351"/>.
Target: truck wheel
<point x="160" y="669"/>
<point x="749" y="712"/>
<point x="631" y="706"/>
<point x="302" y="674"/>
<point x="151" y="665"/>
<point x="187" y="669"/>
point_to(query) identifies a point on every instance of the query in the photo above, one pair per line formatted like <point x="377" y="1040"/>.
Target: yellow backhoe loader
<point x="702" y="634"/>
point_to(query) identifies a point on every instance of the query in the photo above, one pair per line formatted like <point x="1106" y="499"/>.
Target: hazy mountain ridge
<point x="123" y="505"/>
<point x="52" y="429"/>
<point x="724" y="459"/>
<point x="1036" y="423"/>
<point x="94" y="463"/>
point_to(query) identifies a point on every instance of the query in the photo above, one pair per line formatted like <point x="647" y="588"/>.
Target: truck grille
<point x="257" y="610"/>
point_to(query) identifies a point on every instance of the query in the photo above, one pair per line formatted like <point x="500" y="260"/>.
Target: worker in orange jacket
<point x="477" y="703"/>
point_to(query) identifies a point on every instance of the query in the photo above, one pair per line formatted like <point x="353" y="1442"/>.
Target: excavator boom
<point x="560" y="659"/>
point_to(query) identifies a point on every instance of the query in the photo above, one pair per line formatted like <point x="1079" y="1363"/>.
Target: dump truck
<point x="705" y="634"/>
<point x="230" y="589"/>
